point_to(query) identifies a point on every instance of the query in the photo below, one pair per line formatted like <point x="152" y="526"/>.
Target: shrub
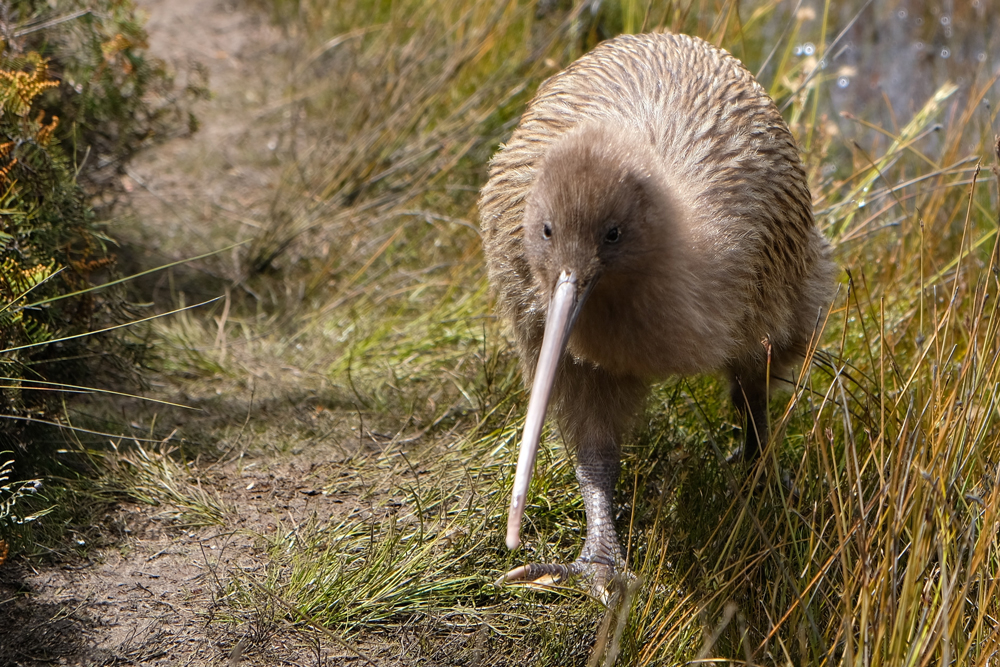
<point x="78" y="97"/>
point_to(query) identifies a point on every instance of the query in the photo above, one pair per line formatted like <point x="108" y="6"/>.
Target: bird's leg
<point x="748" y="391"/>
<point x="597" y="471"/>
<point x="595" y="408"/>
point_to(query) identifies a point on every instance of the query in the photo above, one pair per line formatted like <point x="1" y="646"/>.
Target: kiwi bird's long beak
<point x="564" y="306"/>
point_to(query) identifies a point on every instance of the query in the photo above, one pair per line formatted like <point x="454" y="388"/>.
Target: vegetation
<point x="867" y="535"/>
<point x="110" y="98"/>
<point x="73" y="107"/>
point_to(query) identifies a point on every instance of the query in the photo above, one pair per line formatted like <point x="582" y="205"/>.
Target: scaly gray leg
<point x="601" y="557"/>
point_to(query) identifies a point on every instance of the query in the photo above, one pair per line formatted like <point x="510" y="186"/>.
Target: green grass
<point x="868" y="533"/>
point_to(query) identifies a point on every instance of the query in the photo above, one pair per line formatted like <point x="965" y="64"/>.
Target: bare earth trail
<point x="146" y="591"/>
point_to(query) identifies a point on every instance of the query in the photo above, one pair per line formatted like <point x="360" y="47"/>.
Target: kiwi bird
<point x="649" y="217"/>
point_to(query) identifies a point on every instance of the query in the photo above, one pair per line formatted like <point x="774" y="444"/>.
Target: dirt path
<point x="194" y="194"/>
<point x="149" y="590"/>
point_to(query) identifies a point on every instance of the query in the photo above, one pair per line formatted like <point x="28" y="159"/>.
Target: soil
<point x="149" y="592"/>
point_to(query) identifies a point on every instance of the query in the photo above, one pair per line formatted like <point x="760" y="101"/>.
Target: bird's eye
<point x="546" y="231"/>
<point x="613" y="236"/>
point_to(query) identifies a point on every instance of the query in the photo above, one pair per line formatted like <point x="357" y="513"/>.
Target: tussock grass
<point x="156" y="475"/>
<point x="867" y="534"/>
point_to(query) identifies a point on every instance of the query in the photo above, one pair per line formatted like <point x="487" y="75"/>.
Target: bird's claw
<point x="600" y="578"/>
<point x="542" y="574"/>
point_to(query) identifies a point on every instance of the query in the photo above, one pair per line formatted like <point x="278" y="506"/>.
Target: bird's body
<point x="652" y="207"/>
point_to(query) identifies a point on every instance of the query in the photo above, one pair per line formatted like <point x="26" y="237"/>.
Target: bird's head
<point x="587" y="215"/>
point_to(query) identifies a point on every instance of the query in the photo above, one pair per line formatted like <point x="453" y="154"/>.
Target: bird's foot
<point x="602" y="581"/>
